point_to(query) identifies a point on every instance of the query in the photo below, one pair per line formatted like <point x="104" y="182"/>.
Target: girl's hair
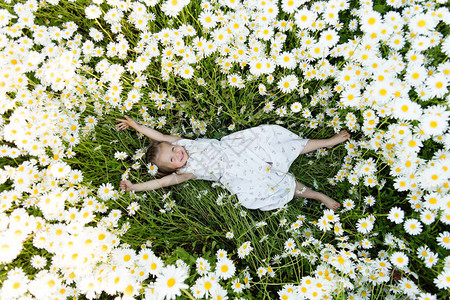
<point x="151" y="156"/>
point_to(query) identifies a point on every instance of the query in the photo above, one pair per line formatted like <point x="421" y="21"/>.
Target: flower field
<point x="204" y="69"/>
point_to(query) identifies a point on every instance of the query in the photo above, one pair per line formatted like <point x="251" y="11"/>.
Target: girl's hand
<point x="124" y="124"/>
<point x="126" y="185"/>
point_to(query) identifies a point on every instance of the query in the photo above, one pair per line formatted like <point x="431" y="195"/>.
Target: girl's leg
<point x="312" y="145"/>
<point x="311" y="194"/>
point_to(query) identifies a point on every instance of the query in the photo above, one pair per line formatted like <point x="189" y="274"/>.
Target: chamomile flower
<point x="431" y="259"/>
<point x="396" y="215"/>
<point x="186" y="71"/>
<point x="348" y="204"/>
<point x="235" y="80"/>
<point x="289" y="244"/>
<point x="268" y="107"/>
<point x="92" y="12"/>
<point x="364" y="225"/>
<point x="412" y="226"/>
<point x="237" y="286"/>
<point x="288" y="83"/>
<point x="132" y="208"/>
<point x="296" y="107"/>
<point x="399" y="259"/>
<point x="225" y="268"/>
<point x="16" y="284"/>
<point x="437" y="85"/>
<point x="38" y="262"/>
<point x="443" y="240"/>
<point x="422" y="23"/>
<point x="244" y="250"/>
<point x="120" y="155"/>
<point x="152" y="169"/>
<point x="304" y="18"/>
<point x="106" y="191"/>
<point x="427" y="216"/>
<point x="170" y="282"/>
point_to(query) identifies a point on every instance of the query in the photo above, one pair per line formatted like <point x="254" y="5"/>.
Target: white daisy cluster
<point x="209" y="284"/>
<point x="340" y="268"/>
<point x="392" y="90"/>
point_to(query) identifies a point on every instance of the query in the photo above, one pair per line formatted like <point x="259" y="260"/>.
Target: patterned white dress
<point x="253" y="164"/>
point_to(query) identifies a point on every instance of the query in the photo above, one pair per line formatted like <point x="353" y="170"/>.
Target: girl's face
<point x="171" y="156"/>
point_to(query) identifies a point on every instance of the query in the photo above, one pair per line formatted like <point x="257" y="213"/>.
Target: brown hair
<point x="151" y="156"/>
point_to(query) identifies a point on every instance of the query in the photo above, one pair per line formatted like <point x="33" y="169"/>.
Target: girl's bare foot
<point x="341" y="137"/>
<point x="329" y="202"/>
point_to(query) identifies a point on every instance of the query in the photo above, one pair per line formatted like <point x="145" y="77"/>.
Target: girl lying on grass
<point x="253" y="163"/>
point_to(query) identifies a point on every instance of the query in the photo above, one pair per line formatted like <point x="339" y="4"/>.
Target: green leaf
<point x="380" y="8"/>
<point x="181" y="253"/>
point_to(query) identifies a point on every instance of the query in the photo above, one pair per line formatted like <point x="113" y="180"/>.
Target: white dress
<point x="253" y="164"/>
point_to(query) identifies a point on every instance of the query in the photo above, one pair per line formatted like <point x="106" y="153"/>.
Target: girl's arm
<point x="147" y="131"/>
<point x="168" y="180"/>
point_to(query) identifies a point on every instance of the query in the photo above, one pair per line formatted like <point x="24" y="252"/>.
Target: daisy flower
<point x="443" y="240"/>
<point x="353" y="25"/>
<point x="38" y="262"/>
<point x="289" y="244"/>
<point x="288" y="83"/>
<point x="106" y="191"/>
<point x="431" y="259"/>
<point x="423" y="251"/>
<point x="369" y="200"/>
<point x="412" y="226"/>
<point x="225" y="268"/>
<point x="286" y="60"/>
<point x="92" y="12"/>
<point x="154" y="265"/>
<point x="261" y="66"/>
<point x="244" y="250"/>
<point x="16" y="284"/>
<point x="261" y="271"/>
<point x="304" y="18"/>
<point x="328" y="38"/>
<point x="186" y="71"/>
<point x="422" y="23"/>
<point x="290" y="6"/>
<point x="152" y="169"/>
<point x="427" y="216"/>
<point x="202" y="266"/>
<point x="364" y="225"/>
<point x="120" y="155"/>
<point x="399" y="259"/>
<point x="281" y="111"/>
<point x="221" y="254"/>
<point x="348" y="204"/>
<point x="437" y="85"/>
<point x="229" y="235"/>
<point x="396" y="215"/>
<point x="296" y="107"/>
<point x="370" y="21"/>
<point x="237" y="286"/>
<point x="442" y="281"/>
<point x="132" y="208"/>
<point x="269" y="107"/>
<point x="203" y="286"/>
<point x="262" y="89"/>
<point x="235" y="80"/>
<point x="408" y="287"/>
<point x="170" y="282"/>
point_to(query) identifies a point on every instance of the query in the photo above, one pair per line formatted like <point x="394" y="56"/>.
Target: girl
<point x="253" y="163"/>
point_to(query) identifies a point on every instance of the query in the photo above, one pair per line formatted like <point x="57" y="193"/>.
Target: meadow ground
<point x="205" y="69"/>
